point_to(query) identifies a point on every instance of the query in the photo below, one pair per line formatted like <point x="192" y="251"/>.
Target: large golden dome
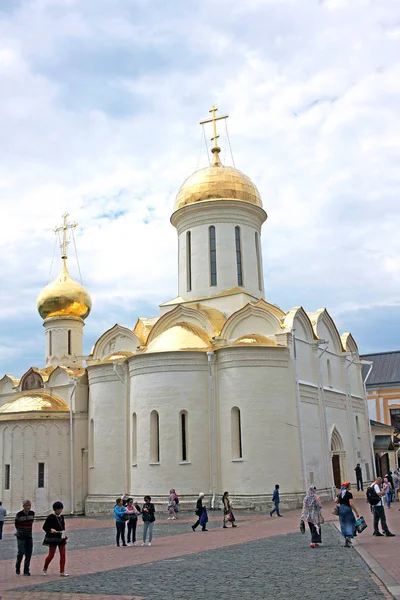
<point x="217" y="183"/>
<point x="64" y="297"/>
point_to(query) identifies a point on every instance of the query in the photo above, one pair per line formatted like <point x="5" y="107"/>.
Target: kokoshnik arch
<point x="222" y="391"/>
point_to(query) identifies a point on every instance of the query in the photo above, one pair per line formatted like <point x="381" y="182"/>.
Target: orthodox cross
<point x="215" y="149"/>
<point x="64" y="237"/>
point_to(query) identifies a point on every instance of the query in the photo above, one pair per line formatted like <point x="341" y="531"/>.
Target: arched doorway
<point x="337" y="454"/>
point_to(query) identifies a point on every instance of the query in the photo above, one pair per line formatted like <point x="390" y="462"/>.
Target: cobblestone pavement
<point x="280" y="567"/>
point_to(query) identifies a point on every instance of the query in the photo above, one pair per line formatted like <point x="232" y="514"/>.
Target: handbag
<point x="360" y="525"/>
<point x="302" y="526"/>
<point x="335" y="510"/>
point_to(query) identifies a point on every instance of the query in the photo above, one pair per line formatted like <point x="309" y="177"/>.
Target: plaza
<point x="263" y="558"/>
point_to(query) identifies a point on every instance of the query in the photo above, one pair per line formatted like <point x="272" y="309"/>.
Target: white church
<point x="222" y="391"/>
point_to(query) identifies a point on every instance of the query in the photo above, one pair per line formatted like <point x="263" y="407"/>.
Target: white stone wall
<point x="57" y="352"/>
<point x="24" y="444"/>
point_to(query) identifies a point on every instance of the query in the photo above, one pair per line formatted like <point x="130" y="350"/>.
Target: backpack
<point x="176" y="499"/>
<point x="372" y="497"/>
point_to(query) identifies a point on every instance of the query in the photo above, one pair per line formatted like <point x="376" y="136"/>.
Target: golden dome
<point x="34" y="401"/>
<point x="181" y="336"/>
<point x="217" y="183"/>
<point x="64" y="297"/>
<point x="254" y="339"/>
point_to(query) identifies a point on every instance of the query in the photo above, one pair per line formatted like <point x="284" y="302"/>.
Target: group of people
<point x="126" y="512"/>
<point x="346" y="511"/>
<point x="202" y="515"/>
<point x="390" y="485"/>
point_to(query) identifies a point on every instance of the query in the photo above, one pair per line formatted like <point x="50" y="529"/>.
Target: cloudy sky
<point x="99" y="108"/>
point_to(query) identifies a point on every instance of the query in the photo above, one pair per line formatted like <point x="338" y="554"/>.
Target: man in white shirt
<point x="379" y="511"/>
<point x="3" y="513"/>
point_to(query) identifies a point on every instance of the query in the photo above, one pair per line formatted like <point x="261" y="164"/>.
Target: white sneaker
<point x="142" y="544"/>
<point x="169" y="518"/>
<point x="44" y="572"/>
<point x="64" y="574"/>
<point x="130" y="544"/>
<point x="149" y="544"/>
<point x="134" y="544"/>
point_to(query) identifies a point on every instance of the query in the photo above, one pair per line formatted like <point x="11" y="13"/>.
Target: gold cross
<point x="215" y="149"/>
<point x="64" y="229"/>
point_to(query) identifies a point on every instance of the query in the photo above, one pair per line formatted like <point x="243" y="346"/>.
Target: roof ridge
<point x="380" y="353"/>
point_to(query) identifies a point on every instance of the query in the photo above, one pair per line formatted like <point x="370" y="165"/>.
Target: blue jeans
<point x="147" y="526"/>
<point x="388" y="497"/>
<point x="276" y="509"/>
<point x="25" y="547"/>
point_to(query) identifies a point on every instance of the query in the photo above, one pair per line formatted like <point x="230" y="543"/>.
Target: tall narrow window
<point x="134" y="439"/>
<point x="69" y="341"/>
<point x="329" y="370"/>
<point x="184" y="436"/>
<point x="40" y="482"/>
<point x="50" y="343"/>
<point x="258" y="255"/>
<point x="236" y="433"/>
<point x="91" y="443"/>
<point x="154" y="437"/>
<point x="238" y="256"/>
<point x="213" y="256"/>
<point x="7" y="477"/>
<point x="357" y="426"/>
<point x="188" y="261"/>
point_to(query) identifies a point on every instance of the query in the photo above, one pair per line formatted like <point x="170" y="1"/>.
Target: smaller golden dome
<point x="64" y="297"/>
<point x="180" y="337"/>
<point x="254" y="339"/>
<point x="217" y="183"/>
<point x="34" y="401"/>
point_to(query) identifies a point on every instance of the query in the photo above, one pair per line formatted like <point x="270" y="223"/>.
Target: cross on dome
<point x="215" y="149"/>
<point x="64" y="241"/>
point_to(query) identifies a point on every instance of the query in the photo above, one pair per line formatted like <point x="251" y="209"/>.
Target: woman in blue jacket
<point x="120" y="520"/>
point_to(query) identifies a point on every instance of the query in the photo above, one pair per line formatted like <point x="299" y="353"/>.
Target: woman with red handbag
<point x="228" y="514"/>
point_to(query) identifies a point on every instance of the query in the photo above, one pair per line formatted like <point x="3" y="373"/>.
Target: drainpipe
<point x="328" y="467"/>
<point x="299" y="415"/>
<point x="71" y="448"/>
<point x="371" y="364"/>
<point x="127" y="424"/>
<point x="353" y="429"/>
<point x="212" y="426"/>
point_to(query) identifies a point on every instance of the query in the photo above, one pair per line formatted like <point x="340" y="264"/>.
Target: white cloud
<point x="99" y="109"/>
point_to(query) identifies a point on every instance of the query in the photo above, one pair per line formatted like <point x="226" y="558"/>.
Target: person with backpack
<point x="375" y="499"/>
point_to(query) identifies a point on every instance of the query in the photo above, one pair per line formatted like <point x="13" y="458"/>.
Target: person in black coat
<point x="359" y="477"/>
<point x="148" y="516"/>
<point x="54" y="526"/>
<point x="199" y="512"/>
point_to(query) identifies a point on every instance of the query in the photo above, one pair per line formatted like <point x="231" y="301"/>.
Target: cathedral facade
<point x="222" y="391"/>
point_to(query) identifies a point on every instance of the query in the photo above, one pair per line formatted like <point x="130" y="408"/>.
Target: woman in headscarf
<point x="346" y="510"/>
<point x="311" y="514"/>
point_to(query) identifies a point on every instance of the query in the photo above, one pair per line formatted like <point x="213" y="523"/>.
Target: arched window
<point x="69" y="341"/>
<point x="50" y="343"/>
<point x="91" y="443"/>
<point x="154" y="437"/>
<point x="236" y="433"/>
<point x="183" y="418"/>
<point x="258" y="255"/>
<point x="329" y="370"/>
<point x="134" y="439"/>
<point x="188" y="261"/>
<point x="357" y="426"/>
<point x="238" y="245"/>
<point x="213" y="256"/>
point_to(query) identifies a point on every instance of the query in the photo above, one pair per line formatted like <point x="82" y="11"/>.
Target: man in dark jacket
<point x="276" y="500"/>
<point x="199" y="511"/>
<point x="359" y="477"/>
<point x="23" y="524"/>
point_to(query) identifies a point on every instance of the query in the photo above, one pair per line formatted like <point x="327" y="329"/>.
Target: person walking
<point x="346" y="510"/>
<point x="387" y="490"/>
<point x="171" y="505"/>
<point x="132" y="511"/>
<point x="55" y="537"/>
<point x="229" y="517"/>
<point x="148" y="516"/>
<point x="176" y="505"/>
<point x="395" y="486"/>
<point x="23" y="525"/>
<point x="3" y="514"/>
<point x="378" y="509"/>
<point x="276" y="501"/>
<point x="120" y="520"/>
<point x="359" y="477"/>
<point x="202" y="519"/>
<point x="312" y="514"/>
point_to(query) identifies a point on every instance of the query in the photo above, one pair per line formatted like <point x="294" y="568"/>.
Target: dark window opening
<point x="40" y="475"/>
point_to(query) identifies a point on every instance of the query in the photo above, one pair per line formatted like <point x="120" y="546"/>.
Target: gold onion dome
<point x="64" y="297"/>
<point x="217" y="183"/>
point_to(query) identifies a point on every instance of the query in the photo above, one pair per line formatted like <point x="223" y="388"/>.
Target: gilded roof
<point x="64" y="297"/>
<point x="181" y="336"/>
<point x="143" y="327"/>
<point x="215" y="316"/>
<point x="34" y="401"/>
<point x="217" y="183"/>
<point x="118" y="356"/>
<point x="254" y="339"/>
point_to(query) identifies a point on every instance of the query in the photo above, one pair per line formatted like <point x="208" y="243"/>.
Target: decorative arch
<point x="273" y="308"/>
<point x="336" y="441"/>
<point x="349" y="343"/>
<point x="181" y="314"/>
<point x="325" y="328"/>
<point x="32" y="380"/>
<point x="298" y="319"/>
<point x="8" y="383"/>
<point x="250" y="320"/>
<point x="58" y="377"/>
<point x="337" y="455"/>
<point x="115" y="339"/>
